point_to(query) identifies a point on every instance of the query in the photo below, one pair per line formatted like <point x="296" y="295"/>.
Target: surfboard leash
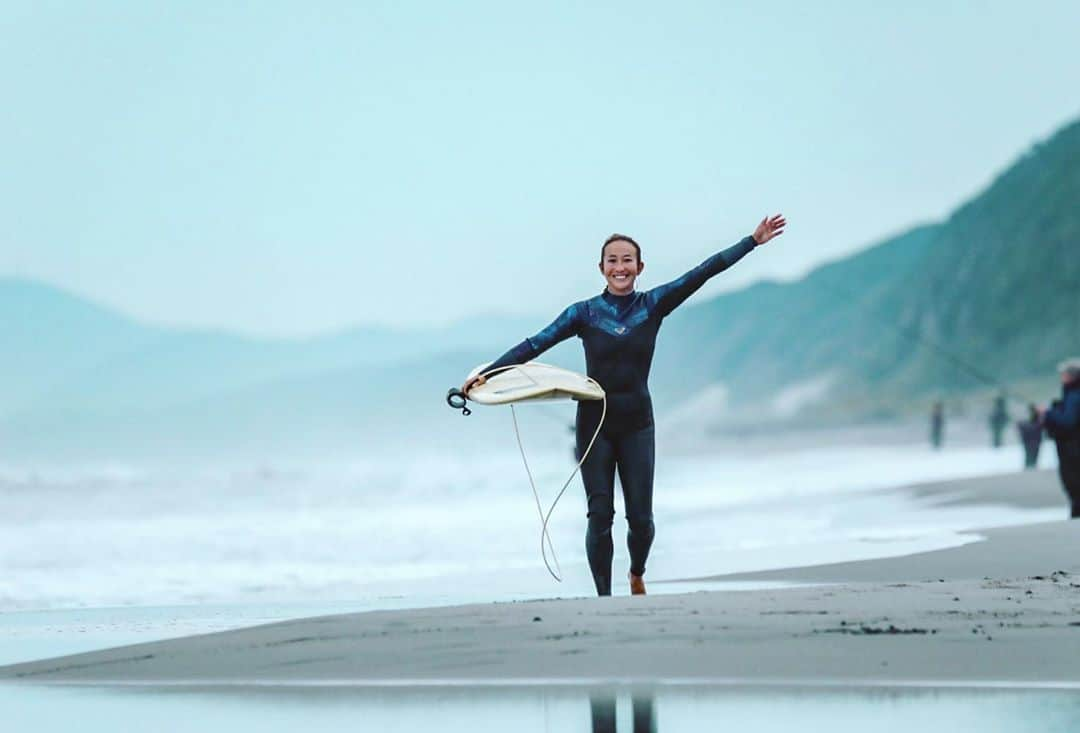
<point x="458" y="399"/>
<point x="577" y="469"/>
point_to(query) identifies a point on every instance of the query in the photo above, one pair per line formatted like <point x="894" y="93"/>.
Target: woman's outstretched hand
<point x="770" y="226"/>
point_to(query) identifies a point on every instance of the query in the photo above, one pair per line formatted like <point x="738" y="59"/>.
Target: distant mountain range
<point x="66" y="354"/>
<point x="991" y="294"/>
<point x="81" y="378"/>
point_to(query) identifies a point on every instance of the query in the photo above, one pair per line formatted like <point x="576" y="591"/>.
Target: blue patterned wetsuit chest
<point x="619" y="336"/>
<point x="617" y="315"/>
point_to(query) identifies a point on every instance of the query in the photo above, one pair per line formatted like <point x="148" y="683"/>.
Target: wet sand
<point x="1003" y="610"/>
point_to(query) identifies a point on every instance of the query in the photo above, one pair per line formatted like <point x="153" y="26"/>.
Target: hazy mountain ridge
<point x="1014" y="254"/>
<point x="46" y="333"/>
<point x="67" y="355"/>
<point x="997" y="285"/>
<point x="770" y="335"/>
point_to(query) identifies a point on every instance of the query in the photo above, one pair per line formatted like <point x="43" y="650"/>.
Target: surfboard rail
<point x="530" y="382"/>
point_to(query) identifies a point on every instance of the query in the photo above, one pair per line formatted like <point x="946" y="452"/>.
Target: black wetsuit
<point x="1062" y="422"/>
<point x="619" y="335"/>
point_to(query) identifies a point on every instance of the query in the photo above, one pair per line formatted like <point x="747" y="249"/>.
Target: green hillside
<point x="994" y="289"/>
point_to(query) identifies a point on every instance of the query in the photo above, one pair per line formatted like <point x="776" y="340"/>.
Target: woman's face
<point x="621" y="267"/>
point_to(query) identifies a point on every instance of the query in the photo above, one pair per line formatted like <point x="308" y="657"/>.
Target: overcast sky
<point x="291" y="168"/>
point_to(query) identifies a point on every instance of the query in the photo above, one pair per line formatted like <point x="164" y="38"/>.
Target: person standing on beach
<point x="1062" y="423"/>
<point x="937" y="425"/>
<point x="1031" y="435"/>
<point x="999" y="418"/>
<point x="618" y="329"/>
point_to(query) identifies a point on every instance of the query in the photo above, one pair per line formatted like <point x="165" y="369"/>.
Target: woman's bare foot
<point x="637" y="585"/>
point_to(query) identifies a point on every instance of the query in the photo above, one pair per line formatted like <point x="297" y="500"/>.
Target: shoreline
<point x="1019" y="551"/>
<point x="710" y="684"/>
<point x="996" y="612"/>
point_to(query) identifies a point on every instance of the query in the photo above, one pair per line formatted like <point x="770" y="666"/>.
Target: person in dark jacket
<point x="1062" y="423"/>
<point x="1031" y="436"/>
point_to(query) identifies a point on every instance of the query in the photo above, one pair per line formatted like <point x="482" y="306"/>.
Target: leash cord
<point x="546" y="518"/>
<point x="456" y="399"/>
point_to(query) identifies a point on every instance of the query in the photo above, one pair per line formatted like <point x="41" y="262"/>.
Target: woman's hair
<point x="620" y="238"/>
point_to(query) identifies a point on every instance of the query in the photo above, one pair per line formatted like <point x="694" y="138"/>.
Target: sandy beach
<point x="1003" y="610"/>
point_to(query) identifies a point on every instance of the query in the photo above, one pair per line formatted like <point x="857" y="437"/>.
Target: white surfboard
<point x="533" y="381"/>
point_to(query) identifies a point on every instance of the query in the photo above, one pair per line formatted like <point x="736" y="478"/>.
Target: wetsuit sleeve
<point x="668" y="297"/>
<point x="566" y="325"/>
<point x="1064" y="418"/>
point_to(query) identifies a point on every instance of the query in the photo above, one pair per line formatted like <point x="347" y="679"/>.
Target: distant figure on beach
<point x="999" y="418"/>
<point x="1062" y="423"/>
<point x="1031" y="436"/>
<point x="937" y="425"/>
<point x="618" y="329"/>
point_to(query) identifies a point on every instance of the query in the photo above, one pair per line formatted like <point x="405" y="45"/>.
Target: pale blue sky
<point x="288" y="168"/>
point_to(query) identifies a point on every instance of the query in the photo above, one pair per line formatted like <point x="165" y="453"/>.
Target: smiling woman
<point x="618" y="329"/>
<point x="621" y="263"/>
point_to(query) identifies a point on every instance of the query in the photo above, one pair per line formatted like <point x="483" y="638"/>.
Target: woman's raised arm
<point x="669" y="296"/>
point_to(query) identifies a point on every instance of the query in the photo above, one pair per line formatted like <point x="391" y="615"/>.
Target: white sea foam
<point x="112" y="534"/>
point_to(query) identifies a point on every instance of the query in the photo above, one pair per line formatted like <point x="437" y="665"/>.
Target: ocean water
<point x="103" y="554"/>
<point x="116" y="535"/>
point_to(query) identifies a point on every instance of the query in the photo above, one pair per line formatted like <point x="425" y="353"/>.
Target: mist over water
<point x="406" y="525"/>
